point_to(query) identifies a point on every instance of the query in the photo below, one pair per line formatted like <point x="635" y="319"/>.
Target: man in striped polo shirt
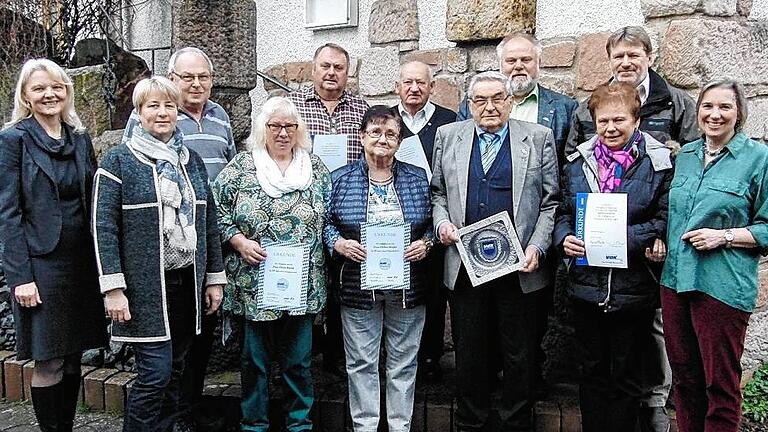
<point x="203" y="122"/>
<point x="206" y="129"/>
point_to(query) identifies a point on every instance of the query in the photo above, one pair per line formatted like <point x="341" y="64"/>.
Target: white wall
<point x="557" y="18"/>
<point x="281" y="36"/>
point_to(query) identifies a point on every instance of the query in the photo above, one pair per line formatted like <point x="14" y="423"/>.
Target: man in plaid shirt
<point x="326" y="107"/>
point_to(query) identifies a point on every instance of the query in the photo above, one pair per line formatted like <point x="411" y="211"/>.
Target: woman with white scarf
<point x="275" y="192"/>
<point x="157" y="246"/>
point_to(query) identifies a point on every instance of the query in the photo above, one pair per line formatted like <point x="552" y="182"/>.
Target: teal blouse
<point x="243" y="207"/>
<point x="732" y="192"/>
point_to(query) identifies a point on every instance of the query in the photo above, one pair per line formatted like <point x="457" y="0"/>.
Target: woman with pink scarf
<point x="614" y="307"/>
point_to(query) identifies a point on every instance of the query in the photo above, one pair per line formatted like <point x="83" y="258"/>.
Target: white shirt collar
<point x="644" y="88"/>
<point x="416" y="122"/>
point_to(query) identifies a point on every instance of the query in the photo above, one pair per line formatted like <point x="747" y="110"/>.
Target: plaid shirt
<point x="346" y="118"/>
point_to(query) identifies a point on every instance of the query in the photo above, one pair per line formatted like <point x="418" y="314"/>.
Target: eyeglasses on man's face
<point x="290" y="128"/>
<point x="204" y="78"/>
<point x="481" y="101"/>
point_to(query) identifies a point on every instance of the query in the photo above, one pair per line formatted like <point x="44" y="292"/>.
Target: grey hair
<point x="518" y="35"/>
<point x="188" y="50"/>
<point x="273" y="105"/>
<point x="430" y="72"/>
<point x="633" y="35"/>
<point x="742" y="112"/>
<point x="158" y="84"/>
<point x="490" y="76"/>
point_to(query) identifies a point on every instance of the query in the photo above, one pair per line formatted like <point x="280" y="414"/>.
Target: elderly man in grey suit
<point x="484" y="166"/>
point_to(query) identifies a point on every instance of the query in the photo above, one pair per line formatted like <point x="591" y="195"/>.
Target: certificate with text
<point x="601" y="222"/>
<point x="283" y="277"/>
<point x="411" y="151"/>
<point x="331" y="149"/>
<point x="385" y="266"/>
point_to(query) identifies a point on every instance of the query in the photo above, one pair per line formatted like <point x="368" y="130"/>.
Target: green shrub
<point x="755" y="404"/>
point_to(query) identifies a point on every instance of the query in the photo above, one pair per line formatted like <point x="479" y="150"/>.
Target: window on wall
<point x="323" y="14"/>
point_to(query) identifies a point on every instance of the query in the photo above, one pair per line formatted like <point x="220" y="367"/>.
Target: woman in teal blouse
<point x="718" y="227"/>
<point x="277" y="191"/>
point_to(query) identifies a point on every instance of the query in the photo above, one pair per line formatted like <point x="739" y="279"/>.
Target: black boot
<point x="45" y="401"/>
<point x="68" y="396"/>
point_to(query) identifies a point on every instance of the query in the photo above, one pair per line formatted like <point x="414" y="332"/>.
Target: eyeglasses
<point x="190" y="78"/>
<point x="276" y="128"/>
<point x="495" y="101"/>
<point x="389" y="136"/>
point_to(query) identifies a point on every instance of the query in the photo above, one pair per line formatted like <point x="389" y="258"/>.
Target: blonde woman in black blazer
<point x="46" y="170"/>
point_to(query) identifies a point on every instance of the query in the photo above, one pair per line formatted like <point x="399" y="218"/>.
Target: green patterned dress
<point x="243" y="207"/>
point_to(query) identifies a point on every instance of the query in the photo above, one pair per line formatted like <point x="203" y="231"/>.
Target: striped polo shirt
<point x="211" y="138"/>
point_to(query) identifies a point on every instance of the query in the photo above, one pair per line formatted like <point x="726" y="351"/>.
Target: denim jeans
<point x="153" y="402"/>
<point x="363" y="330"/>
<point x="289" y="341"/>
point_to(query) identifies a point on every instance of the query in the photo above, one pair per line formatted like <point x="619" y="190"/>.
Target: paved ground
<point x="19" y="417"/>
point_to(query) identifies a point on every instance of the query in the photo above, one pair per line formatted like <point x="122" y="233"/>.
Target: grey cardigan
<point x="129" y="246"/>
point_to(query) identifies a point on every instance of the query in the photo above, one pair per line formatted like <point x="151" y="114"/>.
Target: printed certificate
<point x="331" y="149"/>
<point x="490" y="248"/>
<point x="411" y="151"/>
<point x="601" y="222"/>
<point x="283" y="277"/>
<point x="385" y="266"/>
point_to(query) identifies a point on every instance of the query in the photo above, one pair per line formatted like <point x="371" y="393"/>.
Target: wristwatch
<point x="728" y="238"/>
<point x="428" y="243"/>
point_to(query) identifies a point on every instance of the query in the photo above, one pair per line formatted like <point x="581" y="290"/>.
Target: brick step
<point x="434" y="406"/>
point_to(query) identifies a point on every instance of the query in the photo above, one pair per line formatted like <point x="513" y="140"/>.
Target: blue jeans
<point x="153" y="402"/>
<point x="363" y="330"/>
<point x="289" y="340"/>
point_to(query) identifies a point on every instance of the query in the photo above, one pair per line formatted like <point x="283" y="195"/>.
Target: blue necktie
<point x="490" y="149"/>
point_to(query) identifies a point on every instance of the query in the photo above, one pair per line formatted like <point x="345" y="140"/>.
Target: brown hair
<point x="742" y="111"/>
<point x="615" y="92"/>
<point x="334" y="47"/>
<point x="633" y="35"/>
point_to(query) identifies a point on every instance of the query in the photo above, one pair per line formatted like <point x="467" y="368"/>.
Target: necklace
<point x="711" y="153"/>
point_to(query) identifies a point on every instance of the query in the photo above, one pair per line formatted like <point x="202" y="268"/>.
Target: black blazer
<point x="30" y="214"/>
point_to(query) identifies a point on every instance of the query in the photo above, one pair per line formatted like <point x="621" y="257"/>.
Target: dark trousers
<point x="432" y="343"/>
<point x="705" y="340"/>
<point x="289" y="341"/>
<point x="153" y="401"/>
<point x="496" y="313"/>
<point x="611" y="387"/>
<point x="196" y="363"/>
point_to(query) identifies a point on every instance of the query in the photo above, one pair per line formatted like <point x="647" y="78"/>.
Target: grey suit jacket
<point x="534" y="189"/>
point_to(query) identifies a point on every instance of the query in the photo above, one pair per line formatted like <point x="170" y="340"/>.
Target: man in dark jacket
<point x="667" y="113"/>
<point x="520" y="58"/>
<point x="421" y="117"/>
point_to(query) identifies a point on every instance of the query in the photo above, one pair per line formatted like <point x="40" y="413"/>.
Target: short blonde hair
<point x="273" y="105"/>
<point x="22" y="110"/>
<point x="158" y="84"/>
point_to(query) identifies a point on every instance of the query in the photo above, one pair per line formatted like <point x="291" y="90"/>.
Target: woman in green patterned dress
<point x="275" y="192"/>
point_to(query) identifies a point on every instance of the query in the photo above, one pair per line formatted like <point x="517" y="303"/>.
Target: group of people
<point x="173" y="223"/>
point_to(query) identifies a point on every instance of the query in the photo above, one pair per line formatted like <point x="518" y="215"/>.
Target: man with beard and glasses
<point x="666" y="113"/>
<point x="520" y="58"/>
<point x="328" y="109"/>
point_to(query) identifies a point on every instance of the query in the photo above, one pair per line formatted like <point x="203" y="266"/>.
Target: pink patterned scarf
<point x="612" y="164"/>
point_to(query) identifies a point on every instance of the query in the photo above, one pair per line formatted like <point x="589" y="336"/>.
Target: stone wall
<point x="694" y="41"/>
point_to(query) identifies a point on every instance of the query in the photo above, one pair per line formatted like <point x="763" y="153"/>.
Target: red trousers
<point x="705" y="340"/>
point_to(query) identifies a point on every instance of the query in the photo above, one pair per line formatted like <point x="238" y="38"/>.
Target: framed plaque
<point x="490" y="248"/>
